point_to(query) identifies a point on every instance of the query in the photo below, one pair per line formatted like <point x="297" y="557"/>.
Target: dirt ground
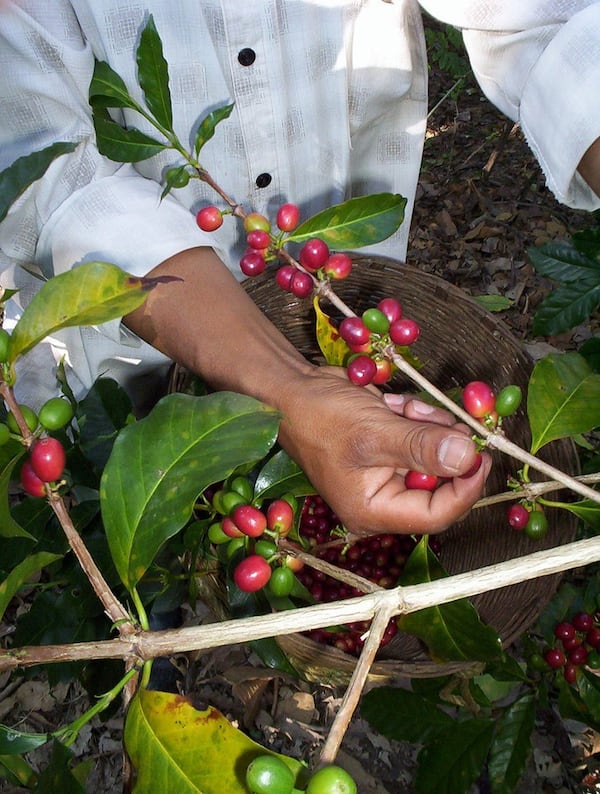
<point x="481" y="204"/>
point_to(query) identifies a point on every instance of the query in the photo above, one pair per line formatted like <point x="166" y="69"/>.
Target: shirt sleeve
<point x="86" y="206"/>
<point x="540" y="64"/>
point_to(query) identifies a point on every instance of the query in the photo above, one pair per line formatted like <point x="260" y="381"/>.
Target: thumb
<point x="435" y="449"/>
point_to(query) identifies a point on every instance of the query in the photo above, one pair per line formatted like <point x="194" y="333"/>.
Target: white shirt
<point x="332" y="104"/>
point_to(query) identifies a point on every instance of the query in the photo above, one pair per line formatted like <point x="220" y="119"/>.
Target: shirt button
<point x="263" y="180"/>
<point x="246" y="56"/>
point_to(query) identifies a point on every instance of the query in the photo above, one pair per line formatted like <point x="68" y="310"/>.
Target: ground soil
<point x="482" y="202"/>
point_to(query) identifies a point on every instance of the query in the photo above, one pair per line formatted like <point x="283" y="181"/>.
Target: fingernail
<point x="394" y="401"/>
<point x="421" y="408"/>
<point x="452" y="451"/>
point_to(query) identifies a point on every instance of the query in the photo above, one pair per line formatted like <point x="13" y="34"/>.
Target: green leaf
<point x="90" y="294"/>
<point x="403" y="715"/>
<point x="57" y="777"/>
<point x="207" y="126"/>
<point x="9" y="528"/>
<point x="590" y="350"/>
<point x="26" y="170"/>
<point x="124" y="145"/>
<point x="281" y="475"/>
<point x="562" y="262"/>
<point x="175" y="747"/>
<point x="566" y="307"/>
<point x="159" y="466"/>
<point x="587" y="242"/>
<point x="586" y="510"/>
<point x="108" y="90"/>
<point x="511" y="746"/>
<point x="494" y="303"/>
<point x="153" y="75"/>
<point x="360" y="221"/>
<point x="588" y="687"/>
<point x="453" y="760"/>
<point x="14" y="742"/>
<point x="17" y="771"/>
<point x="101" y="414"/>
<point x="21" y="574"/>
<point x="452" y="632"/>
<point x="563" y="398"/>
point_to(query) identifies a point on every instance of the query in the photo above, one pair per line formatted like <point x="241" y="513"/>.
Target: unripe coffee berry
<point x="376" y="321"/>
<point x="254" y="220"/>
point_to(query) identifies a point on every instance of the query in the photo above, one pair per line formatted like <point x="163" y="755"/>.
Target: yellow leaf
<point x="177" y="749"/>
<point x="331" y="343"/>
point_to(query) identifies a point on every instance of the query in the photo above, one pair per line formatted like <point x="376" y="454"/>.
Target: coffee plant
<point x="108" y="521"/>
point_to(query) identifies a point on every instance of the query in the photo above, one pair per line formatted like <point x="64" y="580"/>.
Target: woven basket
<point x="459" y="342"/>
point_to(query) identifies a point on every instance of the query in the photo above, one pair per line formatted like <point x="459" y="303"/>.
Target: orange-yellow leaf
<point x="331" y="343"/>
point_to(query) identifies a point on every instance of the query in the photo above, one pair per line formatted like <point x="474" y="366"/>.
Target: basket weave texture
<point x="459" y="342"/>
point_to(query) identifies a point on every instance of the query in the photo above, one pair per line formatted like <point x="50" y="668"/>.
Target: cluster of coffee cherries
<point x="378" y="558"/>
<point x="254" y="531"/>
<point x="480" y="400"/>
<point x="577" y="644"/>
<point x="46" y="458"/>
<point x="269" y="774"/>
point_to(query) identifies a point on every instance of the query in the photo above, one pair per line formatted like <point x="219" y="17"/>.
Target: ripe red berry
<point x="391" y="308"/>
<point x="478" y="398"/>
<point x="570" y="673"/>
<point x="280" y="517"/>
<point x="564" y="631"/>
<point x="48" y="458"/>
<point x="354" y="332"/>
<point x="418" y="480"/>
<point x="313" y="254"/>
<point x="362" y="370"/>
<point x="583" y="621"/>
<point x="283" y="277"/>
<point x="404" y="331"/>
<point x="555" y="658"/>
<point x="288" y="216"/>
<point x="209" y="219"/>
<point x="230" y="528"/>
<point x="252" y="264"/>
<point x="301" y="284"/>
<point x="252" y="573"/>
<point x="338" y="266"/>
<point x="258" y="239"/>
<point x="578" y="655"/>
<point x="30" y="482"/>
<point x="249" y="520"/>
<point x="518" y="516"/>
<point x="593" y="637"/>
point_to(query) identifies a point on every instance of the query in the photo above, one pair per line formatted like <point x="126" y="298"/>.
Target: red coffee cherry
<point x="301" y="284"/>
<point x="418" y="480"/>
<point x="313" y="254"/>
<point x="288" y="216"/>
<point x="258" y="239"/>
<point x="280" y="517"/>
<point x="478" y="399"/>
<point x="404" y="331"/>
<point x="48" y="458"/>
<point x="252" y="263"/>
<point x="209" y="219"/>
<point x="249" y="520"/>
<point x="252" y="573"/>
<point x="354" y="332"/>
<point x="338" y="266"/>
<point x="30" y="482"/>
<point x="555" y="658"/>
<point x="391" y="308"/>
<point x="362" y="370"/>
<point x="518" y="516"/>
<point x="284" y="275"/>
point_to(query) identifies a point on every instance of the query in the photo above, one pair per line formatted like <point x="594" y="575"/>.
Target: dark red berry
<point x="593" y="637"/>
<point x="48" y="458"/>
<point x="417" y="480"/>
<point x="252" y="263"/>
<point x="570" y="673"/>
<point x="577" y="655"/>
<point x="301" y="284"/>
<point x="354" y="332"/>
<point x="283" y="277"/>
<point x="391" y="308"/>
<point x="362" y="370"/>
<point x="258" y="239"/>
<point x="564" y="631"/>
<point x="583" y="621"/>
<point x="313" y="254"/>
<point x="404" y="331"/>
<point x="555" y="658"/>
<point x="518" y="516"/>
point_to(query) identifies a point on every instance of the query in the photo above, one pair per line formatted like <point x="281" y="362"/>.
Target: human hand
<point x="356" y="446"/>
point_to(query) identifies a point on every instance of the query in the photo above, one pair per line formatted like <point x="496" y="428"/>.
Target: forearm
<point x="589" y="166"/>
<point x="206" y="322"/>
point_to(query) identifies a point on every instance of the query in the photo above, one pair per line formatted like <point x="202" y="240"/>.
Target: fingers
<point x="411" y="407"/>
